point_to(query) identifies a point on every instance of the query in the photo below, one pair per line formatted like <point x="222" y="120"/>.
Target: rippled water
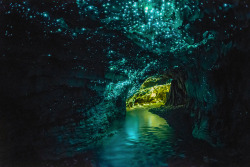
<point x="142" y="139"/>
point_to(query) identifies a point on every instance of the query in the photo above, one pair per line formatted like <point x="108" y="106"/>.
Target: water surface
<point x="142" y="139"/>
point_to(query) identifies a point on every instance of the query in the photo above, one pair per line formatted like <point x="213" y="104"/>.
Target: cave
<point x="125" y="83"/>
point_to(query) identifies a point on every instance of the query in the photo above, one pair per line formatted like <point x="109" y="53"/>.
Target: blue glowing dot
<point x="45" y="14"/>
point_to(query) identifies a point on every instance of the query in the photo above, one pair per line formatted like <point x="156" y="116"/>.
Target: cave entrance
<point x="154" y="90"/>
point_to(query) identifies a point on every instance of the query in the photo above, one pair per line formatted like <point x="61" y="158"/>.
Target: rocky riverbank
<point x="198" y="150"/>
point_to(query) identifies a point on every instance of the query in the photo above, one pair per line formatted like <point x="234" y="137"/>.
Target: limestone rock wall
<point x="213" y="78"/>
<point x="53" y="83"/>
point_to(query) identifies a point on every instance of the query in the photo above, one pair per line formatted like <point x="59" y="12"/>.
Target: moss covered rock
<point x="153" y="90"/>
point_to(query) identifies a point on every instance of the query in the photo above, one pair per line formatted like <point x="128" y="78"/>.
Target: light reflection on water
<point x="143" y="139"/>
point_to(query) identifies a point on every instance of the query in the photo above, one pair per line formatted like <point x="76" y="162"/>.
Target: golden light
<point x="149" y="93"/>
<point x="153" y="95"/>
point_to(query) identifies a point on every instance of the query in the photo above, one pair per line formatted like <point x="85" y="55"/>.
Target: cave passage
<point x="143" y="138"/>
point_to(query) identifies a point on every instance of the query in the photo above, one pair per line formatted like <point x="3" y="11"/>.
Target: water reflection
<point x="143" y="139"/>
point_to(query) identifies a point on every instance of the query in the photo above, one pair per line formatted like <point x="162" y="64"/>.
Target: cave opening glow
<point x="154" y="90"/>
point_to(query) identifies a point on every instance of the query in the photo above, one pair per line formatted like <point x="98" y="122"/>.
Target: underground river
<point x="142" y="139"/>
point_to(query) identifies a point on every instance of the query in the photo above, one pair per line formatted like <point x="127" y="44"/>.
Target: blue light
<point x="45" y="15"/>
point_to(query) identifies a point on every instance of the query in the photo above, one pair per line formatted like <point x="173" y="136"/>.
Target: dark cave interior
<point x="69" y="70"/>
